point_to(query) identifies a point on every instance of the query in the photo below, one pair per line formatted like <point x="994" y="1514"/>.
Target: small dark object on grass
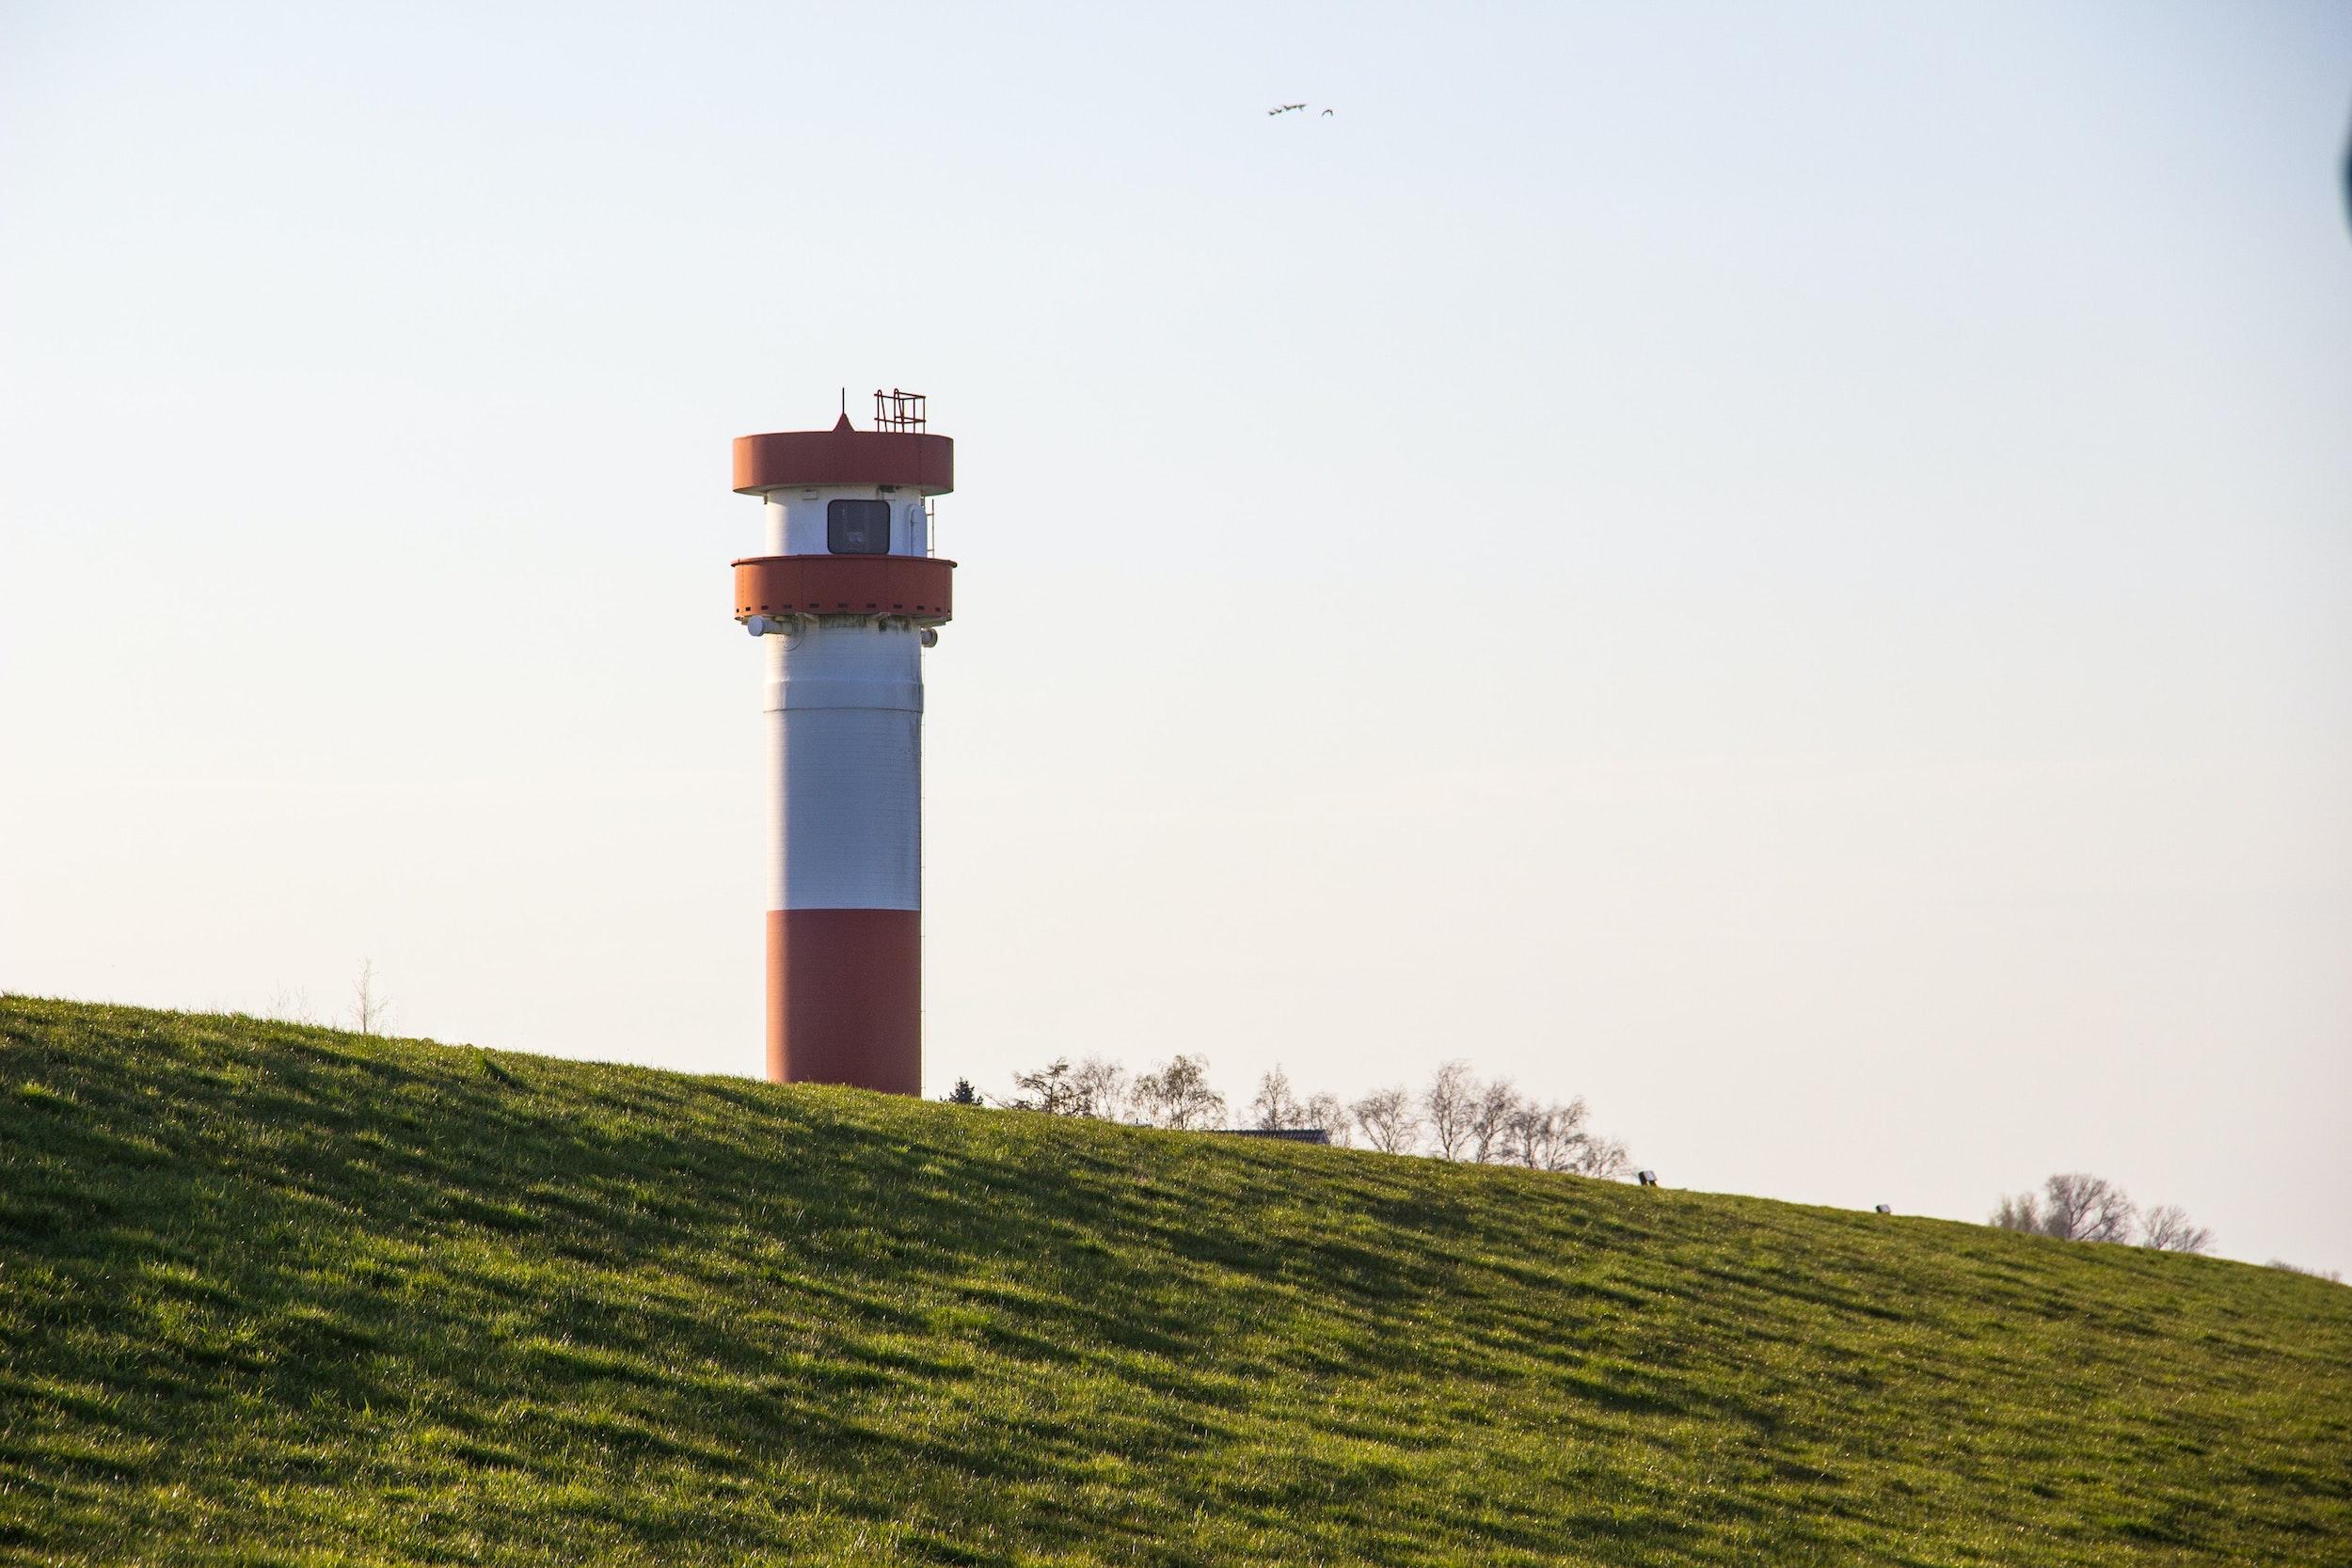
<point x="1646" y="1177"/>
<point x="1884" y="1209"/>
<point x="962" y="1094"/>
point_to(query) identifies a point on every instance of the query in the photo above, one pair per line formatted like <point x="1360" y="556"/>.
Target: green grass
<point x="279" y="1295"/>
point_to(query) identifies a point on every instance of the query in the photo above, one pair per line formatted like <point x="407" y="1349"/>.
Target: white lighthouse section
<point x="796" y="518"/>
<point x="845" y="767"/>
<point x="844" y="712"/>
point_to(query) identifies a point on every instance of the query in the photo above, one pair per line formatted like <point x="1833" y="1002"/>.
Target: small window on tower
<point x="857" y="527"/>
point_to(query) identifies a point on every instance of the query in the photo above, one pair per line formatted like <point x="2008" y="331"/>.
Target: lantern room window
<point x="857" y="527"/>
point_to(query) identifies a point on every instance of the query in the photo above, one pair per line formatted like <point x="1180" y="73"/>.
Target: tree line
<point x="1455" y="1117"/>
<point x="2079" y="1207"/>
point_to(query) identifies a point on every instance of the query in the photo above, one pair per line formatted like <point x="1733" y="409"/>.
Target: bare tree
<point x="1556" y="1137"/>
<point x="1101" y="1087"/>
<point x="1324" y="1110"/>
<point x="1527" y="1130"/>
<point x="2022" y="1213"/>
<point x="369" y="1009"/>
<point x="1047" y="1089"/>
<point x="1451" y="1101"/>
<point x="1275" y="1108"/>
<point x="1179" y="1095"/>
<point x="1490" y="1123"/>
<point x="1603" y="1158"/>
<point x="2080" y="1207"/>
<point x="2167" y="1229"/>
<point x="1390" y="1122"/>
<point x="292" y="1005"/>
<point x="1549" y="1137"/>
<point x="2077" y="1206"/>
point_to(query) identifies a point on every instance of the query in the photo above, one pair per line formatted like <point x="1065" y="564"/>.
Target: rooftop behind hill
<point x="276" y="1293"/>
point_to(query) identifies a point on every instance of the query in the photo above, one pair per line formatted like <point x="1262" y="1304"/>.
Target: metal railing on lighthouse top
<point x="897" y="410"/>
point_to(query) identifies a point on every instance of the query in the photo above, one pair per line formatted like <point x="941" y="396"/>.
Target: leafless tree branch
<point x="2167" y="1229"/>
<point x="1101" y="1087"/>
<point x="1275" y="1108"/>
<point x="1389" y="1120"/>
<point x="2021" y="1212"/>
<point x="1324" y="1110"/>
<point x="2079" y="1207"/>
<point x="1451" y="1101"/>
<point x="1490" y="1121"/>
<point x="368" y="1009"/>
<point x="1179" y="1095"/>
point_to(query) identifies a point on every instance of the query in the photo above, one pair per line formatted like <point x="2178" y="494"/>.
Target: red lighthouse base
<point x="845" y="998"/>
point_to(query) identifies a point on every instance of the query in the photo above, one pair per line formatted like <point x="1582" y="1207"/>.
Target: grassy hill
<point x="279" y="1295"/>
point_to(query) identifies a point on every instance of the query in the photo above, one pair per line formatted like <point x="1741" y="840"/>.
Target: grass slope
<point x="279" y="1295"/>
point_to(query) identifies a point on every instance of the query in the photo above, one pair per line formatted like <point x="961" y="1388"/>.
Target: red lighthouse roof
<point x="913" y="460"/>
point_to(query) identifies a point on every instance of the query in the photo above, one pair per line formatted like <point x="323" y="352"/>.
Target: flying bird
<point x="1286" y="108"/>
<point x="1326" y="112"/>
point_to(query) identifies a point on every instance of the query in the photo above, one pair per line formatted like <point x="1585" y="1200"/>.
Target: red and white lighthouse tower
<point x="845" y="600"/>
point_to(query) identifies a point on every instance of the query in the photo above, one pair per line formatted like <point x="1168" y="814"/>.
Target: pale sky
<point x="1785" y="569"/>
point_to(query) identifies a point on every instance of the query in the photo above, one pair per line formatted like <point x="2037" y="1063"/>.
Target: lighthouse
<point x="844" y="601"/>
